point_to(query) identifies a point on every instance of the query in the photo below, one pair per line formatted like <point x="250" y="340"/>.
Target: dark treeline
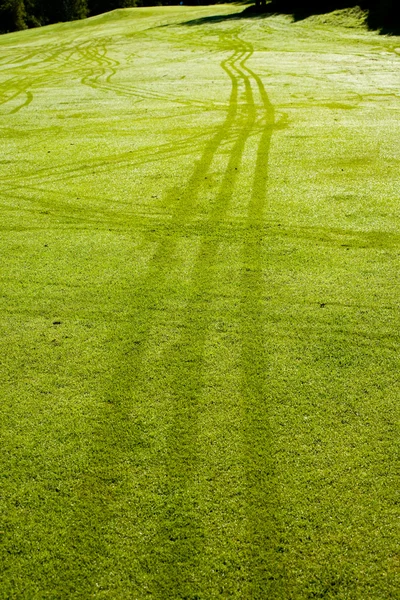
<point x="21" y="14"/>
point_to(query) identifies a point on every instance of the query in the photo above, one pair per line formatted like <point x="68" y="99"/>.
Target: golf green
<point x="199" y="307"/>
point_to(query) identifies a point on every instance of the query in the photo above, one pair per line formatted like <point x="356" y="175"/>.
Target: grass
<point x="199" y="308"/>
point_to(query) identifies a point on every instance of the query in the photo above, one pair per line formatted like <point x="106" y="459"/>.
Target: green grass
<point x="199" y="308"/>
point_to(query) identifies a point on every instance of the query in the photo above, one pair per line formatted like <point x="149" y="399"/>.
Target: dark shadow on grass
<point x="307" y="8"/>
<point x="378" y="16"/>
<point x="385" y="23"/>
<point x="250" y="12"/>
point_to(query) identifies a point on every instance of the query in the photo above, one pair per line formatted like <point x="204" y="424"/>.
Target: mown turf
<point x="199" y="308"/>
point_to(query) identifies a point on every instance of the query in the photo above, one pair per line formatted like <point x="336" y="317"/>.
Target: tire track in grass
<point x="259" y="574"/>
<point x="181" y="539"/>
<point x="183" y="421"/>
<point x="185" y="379"/>
<point x="265" y="577"/>
<point x="263" y="572"/>
<point x="28" y="100"/>
<point x="115" y="441"/>
<point x="100" y="77"/>
<point x="70" y="170"/>
<point x="12" y="88"/>
<point x="16" y="58"/>
<point x="181" y="564"/>
<point x="91" y="54"/>
<point x="17" y="85"/>
<point x="86" y="55"/>
<point x="132" y="158"/>
<point x="128" y="158"/>
<point x="172" y="557"/>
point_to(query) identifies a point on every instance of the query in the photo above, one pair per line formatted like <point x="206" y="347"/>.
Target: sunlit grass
<point x="199" y="307"/>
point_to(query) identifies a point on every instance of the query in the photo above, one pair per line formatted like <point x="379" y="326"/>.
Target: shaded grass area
<point x="199" y="313"/>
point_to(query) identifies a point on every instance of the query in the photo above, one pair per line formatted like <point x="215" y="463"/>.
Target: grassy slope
<point x="199" y="308"/>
